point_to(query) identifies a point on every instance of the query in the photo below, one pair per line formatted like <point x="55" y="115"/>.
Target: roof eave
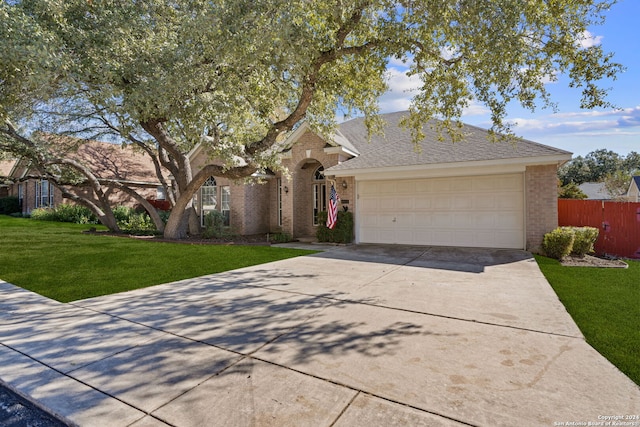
<point x="340" y="150"/>
<point x="458" y="168"/>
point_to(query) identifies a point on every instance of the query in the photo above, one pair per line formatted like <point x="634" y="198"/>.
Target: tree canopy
<point x="597" y="165"/>
<point x="237" y="75"/>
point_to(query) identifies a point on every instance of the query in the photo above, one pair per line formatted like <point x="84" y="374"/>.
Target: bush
<point x="65" y="213"/>
<point x="341" y="233"/>
<point x="122" y="213"/>
<point x="43" y="214"/>
<point x="74" y="213"/>
<point x="558" y="243"/>
<point x="584" y="239"/>
<point x="9" y="205"/>
<point x="214" y="225"/>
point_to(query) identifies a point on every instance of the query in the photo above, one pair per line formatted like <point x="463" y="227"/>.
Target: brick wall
<point x="256" y="209"/>
<point x="542" y="203"/>
<point x="307" y="155"/>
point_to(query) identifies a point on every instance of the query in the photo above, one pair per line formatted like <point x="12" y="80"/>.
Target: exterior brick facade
<point x="541" y="195"/>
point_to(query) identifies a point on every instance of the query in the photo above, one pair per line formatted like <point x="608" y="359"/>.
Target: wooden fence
<point x="618" y="222"/>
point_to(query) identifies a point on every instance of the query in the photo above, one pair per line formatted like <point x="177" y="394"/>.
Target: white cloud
<point x="586" y="39"/>
<point x="401" y="90"/>
<point x="611" y="123"/>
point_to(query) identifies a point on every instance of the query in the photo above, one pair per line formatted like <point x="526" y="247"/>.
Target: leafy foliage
<point x="236" y="76"/>
<point x="9" y="205"/>
<point x="65" y="213"/>
<point x="214" y="225"/>
<point x="571" y="191"/>
<point x="617" y="183"/>
<point x="564" y="241"/>
<point x="597" y="166"/>
<point x="341" y="233"/>
<point x="585" y="239"/>
<point x="132" y="221"/>
<point x="558" y="243"/>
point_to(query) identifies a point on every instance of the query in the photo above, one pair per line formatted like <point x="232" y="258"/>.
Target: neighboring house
<point x="5" y="170"/>
<point x="595" y="191"/>
<point x="473" y="193"/>
<point x="106" y="161"/>
<point x="633" y="193"/>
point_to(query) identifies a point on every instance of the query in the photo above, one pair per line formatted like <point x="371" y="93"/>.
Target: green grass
<point x="605" y="304"/>
<point x="58" y="261"/>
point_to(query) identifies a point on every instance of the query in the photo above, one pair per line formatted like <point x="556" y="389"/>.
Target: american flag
<point x="332" y="216"/>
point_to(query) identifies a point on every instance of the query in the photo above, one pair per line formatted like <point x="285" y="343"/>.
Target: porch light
<point x="344" y="184"/>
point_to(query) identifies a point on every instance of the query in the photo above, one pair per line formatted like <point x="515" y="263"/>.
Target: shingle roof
<point x="106" y="160"/>
<point x="595" y="190"/>
<point x="395" y="147"/>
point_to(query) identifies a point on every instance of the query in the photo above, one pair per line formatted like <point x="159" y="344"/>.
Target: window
<point x="279" y="201"/>
<point x="319" y="195"/>
<point x="161" y="194"/>
<point x="44" y="194"/>
<point x="20" y="194"/>
<point x="208" y="198"/>
<point x="225" y="204"/>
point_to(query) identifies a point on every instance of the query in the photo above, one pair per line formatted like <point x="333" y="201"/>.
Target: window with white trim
<point x="20" y="194"/>
<point x="208" y="198"/>
<point x="44" y="194"/>
<point x="225" y="204"/>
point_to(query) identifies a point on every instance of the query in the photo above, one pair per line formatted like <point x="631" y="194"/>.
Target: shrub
<point x="341" y="233"/>
<point x="164" y="215"/>
<point x="74" y="213"/>
<point x="65" y="213"/>
<point x="133" y="222"/>
<point x="122" y="213"/>
<point x="9" y="205"/>
<point x="558" y="243"/>
<point x="43" y="214"/>
<point x="213" y="225"/>
<point x="584" y="239"/>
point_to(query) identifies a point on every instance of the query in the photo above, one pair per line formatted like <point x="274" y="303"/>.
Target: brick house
<point x="473" y="193"/>
<point x="107" y="161"/>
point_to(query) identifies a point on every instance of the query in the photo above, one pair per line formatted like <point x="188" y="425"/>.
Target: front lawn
<point x="58" y="261"/>
<point x="605" y="304"/>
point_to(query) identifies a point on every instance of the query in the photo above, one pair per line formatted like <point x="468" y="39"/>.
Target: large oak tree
<point x="238" y="75"/>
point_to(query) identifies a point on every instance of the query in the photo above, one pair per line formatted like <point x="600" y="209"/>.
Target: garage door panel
<point x="483" y="211"/>
<point x="402" y="203"/>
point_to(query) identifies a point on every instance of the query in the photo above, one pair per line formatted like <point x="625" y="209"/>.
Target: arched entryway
<point x="310" y="197"/>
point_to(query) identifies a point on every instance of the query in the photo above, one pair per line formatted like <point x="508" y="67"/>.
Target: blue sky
<point x="570" y="128"/>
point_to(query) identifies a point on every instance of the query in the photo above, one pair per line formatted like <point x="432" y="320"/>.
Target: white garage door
<point x="475" y="211"/>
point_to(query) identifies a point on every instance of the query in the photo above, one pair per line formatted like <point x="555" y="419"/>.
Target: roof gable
<point x="635" y="181"/>
<point x="6" y="167"/>
<point x="105" y="160"/>
<point x="395" y="148"/>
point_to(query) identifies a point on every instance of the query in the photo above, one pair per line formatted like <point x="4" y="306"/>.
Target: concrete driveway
<point x="354" y="336"/>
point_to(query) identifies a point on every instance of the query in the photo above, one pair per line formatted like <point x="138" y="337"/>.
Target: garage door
<point x="476" y="211"/>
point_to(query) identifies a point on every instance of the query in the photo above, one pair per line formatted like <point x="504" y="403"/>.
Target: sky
<point x="570" y="128"/>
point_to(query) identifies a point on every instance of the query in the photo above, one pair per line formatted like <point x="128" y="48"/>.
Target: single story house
<point x="633" y="193"/>
<point x="474" y="193"/>
<point x="20" y="179"/>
